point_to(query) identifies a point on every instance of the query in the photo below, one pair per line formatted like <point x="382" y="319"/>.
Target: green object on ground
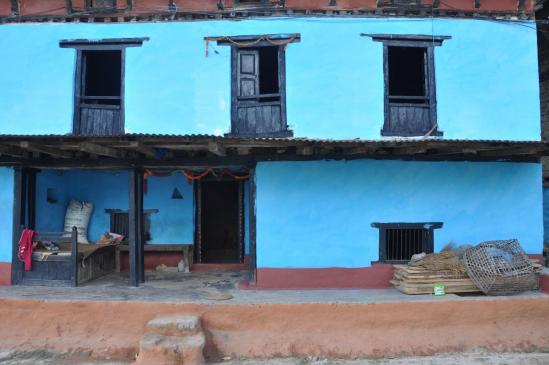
<point x="438" y="290"/>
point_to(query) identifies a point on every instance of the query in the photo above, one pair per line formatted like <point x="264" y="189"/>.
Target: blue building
<point x="311" y="145"/>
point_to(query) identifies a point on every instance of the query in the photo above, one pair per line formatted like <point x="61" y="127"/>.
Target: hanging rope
<point x="282" y="42"/>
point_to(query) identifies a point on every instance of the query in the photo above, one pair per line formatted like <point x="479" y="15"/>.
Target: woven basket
<point x="500" y="268"/>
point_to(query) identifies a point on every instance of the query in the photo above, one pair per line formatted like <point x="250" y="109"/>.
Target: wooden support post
<point x="18" y="223"/>
<point x="140" y="227"/>
<point x="135" y="233"/>
<point x="253" y="258"/>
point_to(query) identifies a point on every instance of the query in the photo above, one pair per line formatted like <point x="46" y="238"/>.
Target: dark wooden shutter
<point x="248" y="72"/>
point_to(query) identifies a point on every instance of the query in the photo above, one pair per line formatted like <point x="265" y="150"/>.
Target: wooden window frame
<point x="428" y="241"/>
<point x="235" y="102"/>
<point x="84" y="45"/>
<point x="420" y="41"/>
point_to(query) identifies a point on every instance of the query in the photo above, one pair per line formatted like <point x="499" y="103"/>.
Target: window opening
<point x="268" y="70"/>
<point x="102" y="77"/>
<point x="407" y="75"/>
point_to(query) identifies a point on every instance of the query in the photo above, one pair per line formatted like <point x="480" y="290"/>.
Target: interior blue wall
<point x="487" y="76"/>
<point x="318" y="214"/>
<point x="6" y="213"/>
<point x="173" y="223"/>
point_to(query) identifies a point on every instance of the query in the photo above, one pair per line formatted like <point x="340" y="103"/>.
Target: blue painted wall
<point x="487" y="76"/>
<point x="6" y="213"/>
<point x="318" y="214"/>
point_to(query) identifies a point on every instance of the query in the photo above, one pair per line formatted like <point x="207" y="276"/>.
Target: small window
<point x="100" y="4"/>
<point x="410" y="92"/>
<point x="398" y="242"/>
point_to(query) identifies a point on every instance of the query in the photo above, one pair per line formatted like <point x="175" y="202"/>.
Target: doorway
<point x="219" y="218"/>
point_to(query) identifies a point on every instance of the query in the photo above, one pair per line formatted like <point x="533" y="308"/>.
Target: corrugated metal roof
<point x="191" y="137"/>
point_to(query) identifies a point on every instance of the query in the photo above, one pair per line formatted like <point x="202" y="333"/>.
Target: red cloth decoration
<point x="26" y="246"/>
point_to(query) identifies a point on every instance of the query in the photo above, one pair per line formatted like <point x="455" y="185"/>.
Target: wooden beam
<point x="30" y="146"/>
<point x="305" y="150"/>
<point x="12" y="151"/>
<point x="511" y="151"/>
<point x="100" y="150"/>
<point x="143" y="149"/>
<point x="216" y="148"/>
<point x="242" y="151"/>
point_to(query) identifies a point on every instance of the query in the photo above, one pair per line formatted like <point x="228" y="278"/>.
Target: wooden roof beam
<point x="12" y="151"/>
<point x="100" y="150"/>
<point x="33" y="147"/>
<point x="143" y="149"/>
<point x="217" y="148"/>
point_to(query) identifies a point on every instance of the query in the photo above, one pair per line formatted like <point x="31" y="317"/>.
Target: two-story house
<point x="312" y="142"/>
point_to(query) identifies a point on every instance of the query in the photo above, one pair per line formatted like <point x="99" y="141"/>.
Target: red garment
<point x="26" y="246"/>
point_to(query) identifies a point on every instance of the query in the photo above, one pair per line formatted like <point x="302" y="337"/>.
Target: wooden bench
<point x="185" y="248"/>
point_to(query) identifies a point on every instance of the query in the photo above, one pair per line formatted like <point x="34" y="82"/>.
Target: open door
<point x="219" y="231"/>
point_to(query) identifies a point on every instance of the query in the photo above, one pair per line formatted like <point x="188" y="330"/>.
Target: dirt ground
<point x="51" y="358"/>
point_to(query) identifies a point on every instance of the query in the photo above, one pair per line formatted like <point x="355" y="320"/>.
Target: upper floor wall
<point x="486" y="76"/>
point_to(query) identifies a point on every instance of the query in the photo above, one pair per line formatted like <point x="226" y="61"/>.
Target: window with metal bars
<point x="120" y="222"/>
<point x="398" y="242"/>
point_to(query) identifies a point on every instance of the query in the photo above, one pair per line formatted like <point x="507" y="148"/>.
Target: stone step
<point x="174" y="326"/>
<point x="171" y="350"/>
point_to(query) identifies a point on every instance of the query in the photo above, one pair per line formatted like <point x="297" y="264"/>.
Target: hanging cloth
<point x="26" y="246"/>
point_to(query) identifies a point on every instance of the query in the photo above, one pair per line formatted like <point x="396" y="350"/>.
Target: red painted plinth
<point x="5" y="273"/>
<point x="377" y="276"/>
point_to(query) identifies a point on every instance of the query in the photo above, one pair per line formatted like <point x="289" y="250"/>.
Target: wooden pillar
<point x="253" y="257"/>
<point x="18" y="223"/>
<point x="135" y="215"/>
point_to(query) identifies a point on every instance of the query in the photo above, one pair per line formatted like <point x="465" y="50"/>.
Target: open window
<point x="410" y="93"/>
<point x="258" y="91"/>
<point x="99" y="85"/>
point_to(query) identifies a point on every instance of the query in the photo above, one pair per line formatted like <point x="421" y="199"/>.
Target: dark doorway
<point x="220" y="223"/>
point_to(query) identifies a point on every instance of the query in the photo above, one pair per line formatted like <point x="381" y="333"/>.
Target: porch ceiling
<point x="152" y="150"/>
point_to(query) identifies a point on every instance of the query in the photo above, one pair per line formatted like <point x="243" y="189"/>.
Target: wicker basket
<point x="500" y="268"/>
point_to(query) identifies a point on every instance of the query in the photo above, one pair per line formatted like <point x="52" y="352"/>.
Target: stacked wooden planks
<point x="417" y="280"/>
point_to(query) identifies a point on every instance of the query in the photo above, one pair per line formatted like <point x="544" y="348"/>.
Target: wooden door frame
<point x="24" y="214"/>
<point x="198" y="219"/>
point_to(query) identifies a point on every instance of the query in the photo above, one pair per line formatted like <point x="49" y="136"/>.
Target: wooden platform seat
<point x="73" y="264"/>
<point x="186" y="249"/>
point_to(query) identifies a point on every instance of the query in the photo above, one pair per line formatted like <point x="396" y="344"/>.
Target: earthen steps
<point x="176" y="340"/>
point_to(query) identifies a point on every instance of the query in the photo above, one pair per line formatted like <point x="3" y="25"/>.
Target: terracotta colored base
<point x="5" y="273"/>
<point x="290" y="329"/>
<point x="375" y="277"/>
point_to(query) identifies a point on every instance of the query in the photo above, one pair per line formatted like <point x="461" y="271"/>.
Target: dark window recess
<point x="407" y="75"/>
<point x="120" y="223"/>
<point x="103" y="77"/>
<point x="398" y="242"/>
<point x="410" y="94"/>
<point x="100" y="4"/>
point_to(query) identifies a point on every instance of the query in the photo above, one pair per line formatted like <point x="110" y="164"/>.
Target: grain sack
<point x="78" y="215"/>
